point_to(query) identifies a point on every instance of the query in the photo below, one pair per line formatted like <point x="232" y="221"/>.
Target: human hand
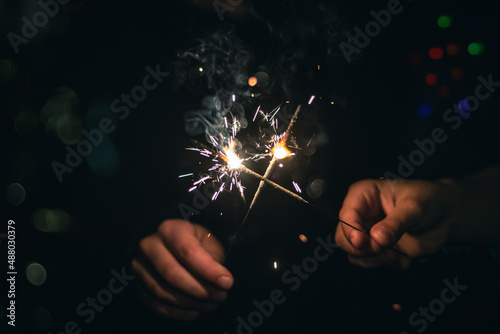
<point x="403" y="220"/>
<point x="180" y="272"/>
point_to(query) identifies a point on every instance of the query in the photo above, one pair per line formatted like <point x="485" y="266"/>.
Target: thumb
<point x="389" y="230"/>
<point x="198" y="250"/>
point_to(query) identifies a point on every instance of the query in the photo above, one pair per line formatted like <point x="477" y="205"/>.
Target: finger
<point x="405" y="215"/>
<point x="164" y="309"/>
<point x="360" y="206"/>
<point x="182" y="240"/>
<point x="421" y="244"/>
<point x="174" y="273"/>
<point x="385" y="258"/>
<point x="342" y="242"/>
<point x="162" y="292"/>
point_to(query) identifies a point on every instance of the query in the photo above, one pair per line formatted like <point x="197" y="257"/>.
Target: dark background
<point x="98" y="50"/>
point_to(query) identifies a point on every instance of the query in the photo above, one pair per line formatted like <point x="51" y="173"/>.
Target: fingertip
<point x="382" y="236"/>
<point x="358" y="239"/>
<point x="225" y="282"/>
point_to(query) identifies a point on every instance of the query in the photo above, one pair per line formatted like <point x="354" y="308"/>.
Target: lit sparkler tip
<point x="232" y="160"/>
<point x="280" y="151"/>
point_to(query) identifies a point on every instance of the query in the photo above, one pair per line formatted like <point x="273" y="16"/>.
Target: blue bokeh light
<point x="425" y="110"/>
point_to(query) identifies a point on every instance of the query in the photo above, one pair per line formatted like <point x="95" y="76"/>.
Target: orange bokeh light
<point x="252" y="81"/>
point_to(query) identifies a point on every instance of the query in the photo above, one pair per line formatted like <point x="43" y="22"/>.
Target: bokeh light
<point x="15" y="194"/>
<point x="309" y="149"/>
<point x="252" y="81"/>
<point x="262" y="79"/>
<point x="51" y="220"/>
<point x="36" y="273"/>
<point x="397" y="307"/>
<point x="463" y="105"/>
<point x="59" y="116"/>
<point x="316" y="188"/>
<point x="457" y="73"/>
<point x="444" y="21"/>
<point x="452" y="49"/>
<point x="425" y="110"/>
<point x="476" y="48"/>
<point x="104" y="159"/>
<point x="431" y="79"/>
<point x="436" y="53"/>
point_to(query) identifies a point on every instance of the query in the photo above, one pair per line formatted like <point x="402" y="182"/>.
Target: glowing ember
<point x="280" y="151"/>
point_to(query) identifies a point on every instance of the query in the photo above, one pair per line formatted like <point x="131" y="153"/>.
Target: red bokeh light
<point x="431" y="79"/>
<point x="436" y="53"/>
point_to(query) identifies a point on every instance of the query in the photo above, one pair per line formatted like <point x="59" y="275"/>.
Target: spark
<point x="256" y="113"/>
<point x="310" y="140"/>
<point x="297" y="188"/>
<point x="275" y="265"/>
<point x="311" y="99"/>
<point x="202" y="180"/>
<point x="185" y="175"/>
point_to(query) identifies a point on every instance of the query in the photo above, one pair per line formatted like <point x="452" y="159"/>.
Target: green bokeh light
<point x="444" y="21"/>
<point x="36" y="273"/>
<point x="476" y="48"/>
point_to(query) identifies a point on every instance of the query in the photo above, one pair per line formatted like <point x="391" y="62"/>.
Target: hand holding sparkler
<point x="180" y="271"/>
<point x="410" y="219"/>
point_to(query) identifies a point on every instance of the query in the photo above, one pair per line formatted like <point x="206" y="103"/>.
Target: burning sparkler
<point x="228" y="165"/>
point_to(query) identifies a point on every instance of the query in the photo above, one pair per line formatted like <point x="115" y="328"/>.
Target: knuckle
<point x="188" y="251"/>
